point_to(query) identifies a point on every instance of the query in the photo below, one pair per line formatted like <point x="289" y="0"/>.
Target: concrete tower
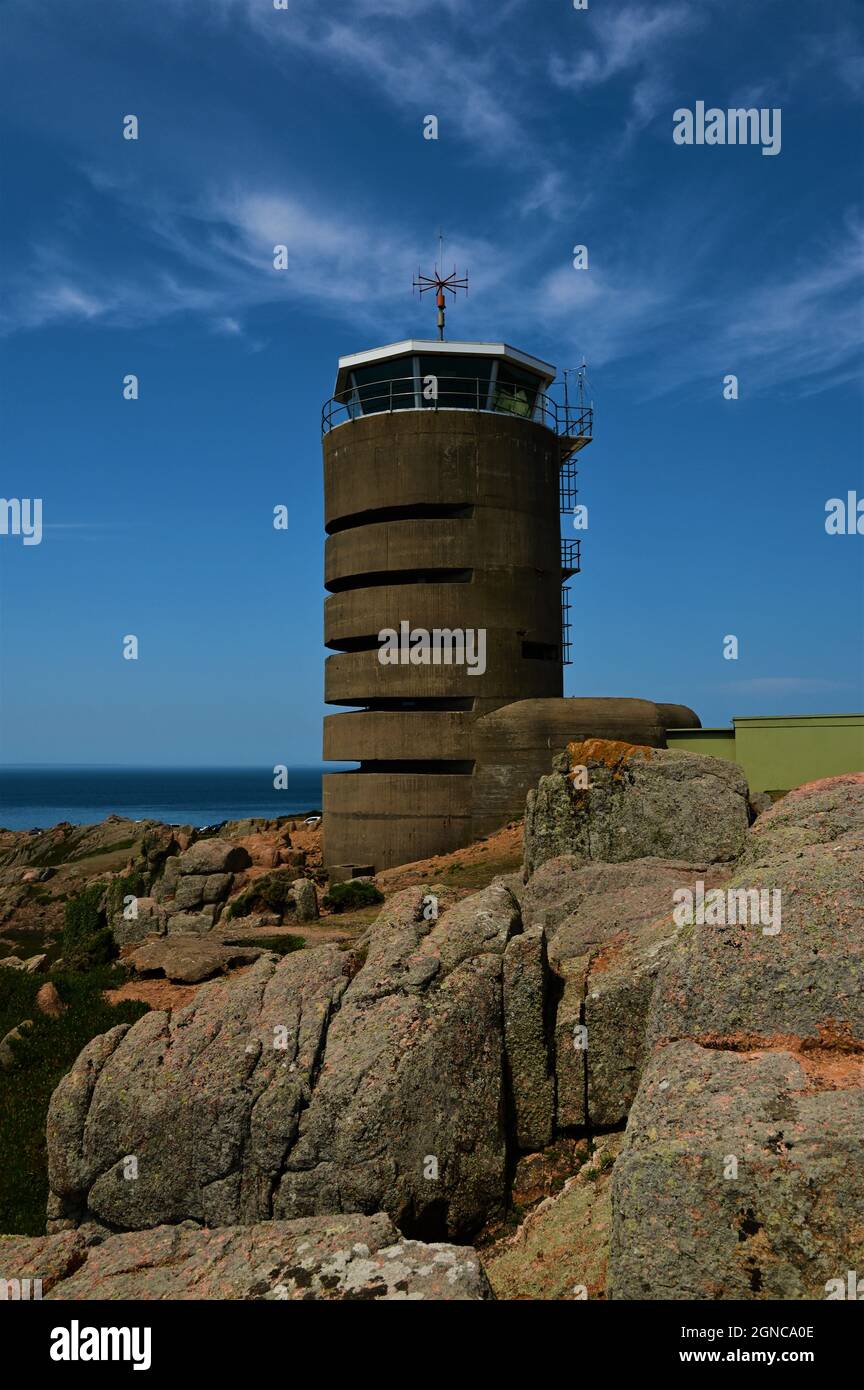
<point x="441" y="482"/>
<point x="446" y="465"/>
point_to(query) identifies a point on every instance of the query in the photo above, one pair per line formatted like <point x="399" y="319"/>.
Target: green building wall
<point x="780" y="752"/>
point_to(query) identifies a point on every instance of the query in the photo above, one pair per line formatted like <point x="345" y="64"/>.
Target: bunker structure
<point x="447" y="466"/>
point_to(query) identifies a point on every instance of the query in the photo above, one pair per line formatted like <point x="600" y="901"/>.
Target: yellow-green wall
<point x="783" y="751"/>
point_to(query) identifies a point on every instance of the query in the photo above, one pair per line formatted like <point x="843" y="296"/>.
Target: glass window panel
<point x="385" y="385"/>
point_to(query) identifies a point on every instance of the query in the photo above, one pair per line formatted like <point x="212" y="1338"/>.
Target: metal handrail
<point x="571" y="558"/>
<point x="471" y="393"/>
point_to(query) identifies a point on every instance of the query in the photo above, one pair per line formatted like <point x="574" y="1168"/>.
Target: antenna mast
<point x="442" y="284"/>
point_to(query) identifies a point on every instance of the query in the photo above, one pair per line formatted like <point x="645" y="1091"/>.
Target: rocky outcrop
<point x="527" y="1001"/>
<point x="136" y="921"/>
<point x="209" y="857"/>
<point x="274" y="1095"/>
<point x="638" y="802"/>
<point x="408" y="1111"/>
<point x="305" y="900"/>
<point x="559" y="1251"/>
<point x="189" y="959"/>
<point x="740" y="1176"/>
<point x="205" y="1102"/>
<point x="712" y="1003"/>
<point x="329" y="1258"/>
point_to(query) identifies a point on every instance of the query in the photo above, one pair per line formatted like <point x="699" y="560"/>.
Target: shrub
<point x="270" y="893"/>
<point x="86" y="939"/>
<point x="345" y="897"/>
<point x="122" y="887"/>
<point x="45" y="1054"/>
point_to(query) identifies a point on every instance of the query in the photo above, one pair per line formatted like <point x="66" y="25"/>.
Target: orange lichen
<point x="609" y="752"/>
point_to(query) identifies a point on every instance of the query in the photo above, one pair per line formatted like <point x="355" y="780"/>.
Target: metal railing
<point x="572" y="424"/>
<point x="571" y="558"/>
<point x="566" y="629"/>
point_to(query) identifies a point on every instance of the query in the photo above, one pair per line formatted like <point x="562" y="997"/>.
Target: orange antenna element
<point x="442" y="284"/>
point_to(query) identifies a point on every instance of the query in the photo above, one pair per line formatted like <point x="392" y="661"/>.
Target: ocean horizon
<point x="36" y="796"/>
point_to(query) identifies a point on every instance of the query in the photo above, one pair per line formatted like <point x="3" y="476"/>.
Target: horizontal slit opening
<point x="453" y="767"/>
<point x="354" y="644"/>
<point x="540" y="651"/>
<point x="376" y="578"/>
<point x="401" y="704"/>
<point x="417" y="511"/>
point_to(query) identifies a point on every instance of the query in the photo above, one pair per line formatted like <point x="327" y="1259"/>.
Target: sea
<point x="40" y="796"/>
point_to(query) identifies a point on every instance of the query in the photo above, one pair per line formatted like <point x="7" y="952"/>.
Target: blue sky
<point x="305" y="127"/>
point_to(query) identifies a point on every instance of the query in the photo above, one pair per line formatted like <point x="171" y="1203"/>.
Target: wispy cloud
<point x="623" y="39"/>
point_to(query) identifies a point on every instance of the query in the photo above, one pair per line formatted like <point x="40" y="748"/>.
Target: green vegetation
<point x="125" y="885"/>
<point x="43" y="1056"/>
<point x="270" y="893"/>
<point x="83" y="855"/>
<point x="345" y="897"/>
<point x="479" y="873"/>
<point x="86" y="939"/>
<point x="282" y="945"/>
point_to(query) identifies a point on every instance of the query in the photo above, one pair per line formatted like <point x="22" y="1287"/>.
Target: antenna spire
<point x="442" y="284"/>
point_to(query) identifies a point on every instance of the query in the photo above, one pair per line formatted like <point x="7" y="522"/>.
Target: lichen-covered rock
<point x="526" y="1037"/>
<point x="583" y="906"/>
<point x="610" y="927"/>
<point x="193" y="890"/>
<point x="796" y="970"/>
<point x="189" y="959"/>
<point x="166" y="886"/>
<point x="408" y="1110"/>
<point x="46" y="1259"/>
<point x="619" y="989"/>
<point x="332" y="1258"/>
<point x="740" y="1177"/>
<point x="639" y="802"/>
<point x="272" y="1095"/>
<point x="214" y="857"/>
<point x="816" y="813"/>
<point x="8" y="1042"/>
<point x="190" y="923"/>
<point x="205" y="1102"/>
<point x="305" y="900"/>
<point x="560" y="1249"/>
<point x="570" y="1043"/>
<point x="135" y="921"/>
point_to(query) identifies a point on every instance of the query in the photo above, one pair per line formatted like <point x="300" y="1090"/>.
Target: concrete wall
<point x="711" y="743"/>
<point x="489" y="560"/>
<point x="778" y="753"/>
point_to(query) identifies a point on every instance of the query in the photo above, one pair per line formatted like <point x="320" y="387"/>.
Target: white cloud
<point x="625" y="38"/>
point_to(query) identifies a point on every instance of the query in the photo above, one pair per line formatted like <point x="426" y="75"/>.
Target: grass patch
<point x="44" y="1055"/>
<point x="480" y="874"/>
<point x="282" y="945"/>
<point x="83" y="855"/>
<point x="347" y="896"/>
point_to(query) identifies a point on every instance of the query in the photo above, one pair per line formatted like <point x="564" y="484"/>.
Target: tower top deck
<point x="432" y="347"/>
